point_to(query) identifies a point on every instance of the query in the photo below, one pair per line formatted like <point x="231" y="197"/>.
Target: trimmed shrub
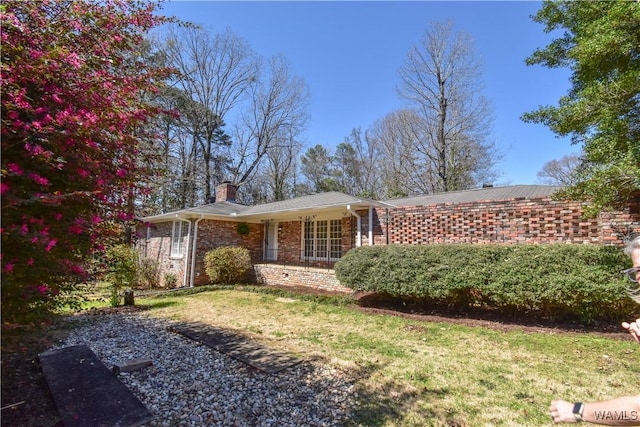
<point x="227" y="265"/>
<point x="554" y="280"/>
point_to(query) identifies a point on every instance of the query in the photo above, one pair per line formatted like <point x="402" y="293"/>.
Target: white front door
<point x="271" y="241"/>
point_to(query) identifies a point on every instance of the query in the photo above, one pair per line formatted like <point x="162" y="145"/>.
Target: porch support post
<point x="370" y="225"/>
<point x="186" y="256"/>
<point x="358" y="225"/>
<point x="194" y="252"/>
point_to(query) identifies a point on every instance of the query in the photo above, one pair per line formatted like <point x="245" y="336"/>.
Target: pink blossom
<point x="39" y="179"/>
<point x="123" y="216"/>
<point x="50" y="246"/>
<point x="58" y="216"/>
<point x="9" y="267"/>
<point x="34" y="149"/>
<point x="121" y="173"/>
<point x="96" y="219"/>
<point x="74" y="60"/>
<point x="4" y="187"/>
<point x="14" y="168"/>
<point x="77" y="269"/>
<point x="43" y="289"/>
<point x="30" y="261"/>
<point x="75" y="229"/>
<point x="24" y="229"/>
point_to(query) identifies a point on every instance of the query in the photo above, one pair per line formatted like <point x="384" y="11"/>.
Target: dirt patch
<point x="493" y="319"/>
<point x="506" y="326"/>
<point x="377" y="304"/>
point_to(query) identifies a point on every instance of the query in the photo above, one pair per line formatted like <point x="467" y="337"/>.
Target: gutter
<point x="193" y="250"/>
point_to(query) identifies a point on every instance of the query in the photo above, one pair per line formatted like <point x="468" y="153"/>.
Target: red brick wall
<point x="509" y="222"/>
<point x="156" y="244"/>
<point x="216" y="234"/>
<point x="289" y="241"/>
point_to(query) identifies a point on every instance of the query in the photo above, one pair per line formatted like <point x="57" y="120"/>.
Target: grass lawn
<point x="412" y="373"/>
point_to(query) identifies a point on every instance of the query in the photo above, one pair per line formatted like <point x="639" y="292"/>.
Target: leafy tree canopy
<point x="601" y="112"/>
<point x="74" y="136"/>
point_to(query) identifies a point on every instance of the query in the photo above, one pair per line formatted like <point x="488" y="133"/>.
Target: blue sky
<point x="349" y="54"/>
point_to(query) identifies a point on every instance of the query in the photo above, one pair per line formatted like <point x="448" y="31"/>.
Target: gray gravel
<point x="190" y="384"/>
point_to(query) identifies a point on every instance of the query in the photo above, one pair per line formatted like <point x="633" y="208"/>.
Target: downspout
<point x="193" y="251"/>
<point x="148" y="237"/>
<point x="186" y="260"/>
<point x="358" y="226"/>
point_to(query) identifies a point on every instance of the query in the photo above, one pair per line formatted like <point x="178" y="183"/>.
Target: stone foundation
<point x="312" y="278"/>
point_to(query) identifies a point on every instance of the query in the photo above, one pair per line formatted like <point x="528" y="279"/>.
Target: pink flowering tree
<point x="75" y="133"/>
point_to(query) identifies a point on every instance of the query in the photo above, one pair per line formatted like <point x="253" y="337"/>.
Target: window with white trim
<point x="177" y="239"/>
<point x="322" y="240"/>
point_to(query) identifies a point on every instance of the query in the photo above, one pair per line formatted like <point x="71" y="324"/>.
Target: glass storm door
<point x="271" y="241"/>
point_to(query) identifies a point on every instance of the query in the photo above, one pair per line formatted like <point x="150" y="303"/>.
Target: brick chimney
<point x="226" y="192"/>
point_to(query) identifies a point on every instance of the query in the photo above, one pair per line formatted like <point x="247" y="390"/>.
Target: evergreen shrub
<point x="553" y="280"/>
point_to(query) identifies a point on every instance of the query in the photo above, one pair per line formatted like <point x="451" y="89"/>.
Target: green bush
<point x="148" y="273"/>
<point x="122" y="269"/>
<point x="554" y="280"/>
<point x="229" y="264"/>
<point x="170" y="280"/>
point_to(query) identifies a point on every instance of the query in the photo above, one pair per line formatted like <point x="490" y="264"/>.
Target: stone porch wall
<point x="312" y="278"/>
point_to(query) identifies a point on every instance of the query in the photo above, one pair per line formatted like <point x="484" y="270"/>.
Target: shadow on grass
<point x="162" y="304"/>
<point x="392" y="402"/>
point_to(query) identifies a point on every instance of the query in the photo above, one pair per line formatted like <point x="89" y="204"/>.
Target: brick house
<point x="297" y="241"/>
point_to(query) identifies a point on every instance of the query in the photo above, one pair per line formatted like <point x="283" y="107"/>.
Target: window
<point x="322" y="239"/>
<point x="177" y="239"/>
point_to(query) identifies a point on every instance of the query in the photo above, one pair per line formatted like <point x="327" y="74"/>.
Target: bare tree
<point x="452" y="121"/>
<point x="396" y="138"/>
<point x="282" y="163"/>
<point x="216" y="71"/>
<point x="278" y="107"/>
<point x="561" y="171"/>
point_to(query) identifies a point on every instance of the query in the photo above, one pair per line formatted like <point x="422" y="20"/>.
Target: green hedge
<point x="555" y="280"/>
